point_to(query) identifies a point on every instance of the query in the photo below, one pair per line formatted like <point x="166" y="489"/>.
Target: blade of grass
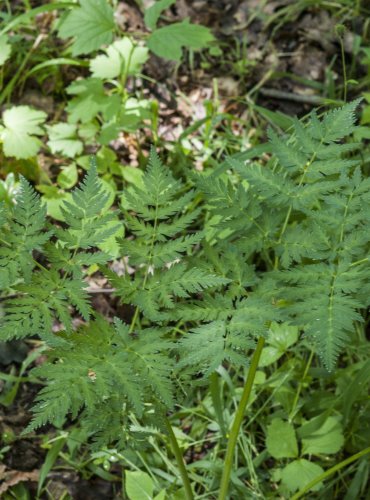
<point x="27" y="16"/>
<point x="239" y="419"/>
<point x="180" y="461"/>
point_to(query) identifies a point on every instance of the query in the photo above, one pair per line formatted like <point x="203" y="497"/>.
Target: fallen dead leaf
<point x="12" y="477"/>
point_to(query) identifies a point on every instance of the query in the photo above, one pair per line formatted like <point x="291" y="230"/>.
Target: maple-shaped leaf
<point x="168" y="42"/>
<point x="128" y="119"/>
<point x="91" y="24"/>
<point x="21" y="125"/>
<point x="63" y="139"/>
<point x="123" y="57"/>
<point x="90" y="99"/>
<point x="153" y="13"/>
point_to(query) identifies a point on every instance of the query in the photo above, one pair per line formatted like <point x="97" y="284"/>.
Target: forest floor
<point x="277" y="59"/>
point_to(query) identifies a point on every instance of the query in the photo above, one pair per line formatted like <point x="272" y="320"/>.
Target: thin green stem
<point x="150" y="259"/>
<point x="359" y="262"/>
<point x="180" y="461"/>
<point x="345" y="83"/>
<point x="239" y="419"/>
<point x="329" y="472"/>
<point x="217" y="403"/>
<point x="9" y="88"/>
<point x="285" y="224"/>
<point x="300" y="385"/>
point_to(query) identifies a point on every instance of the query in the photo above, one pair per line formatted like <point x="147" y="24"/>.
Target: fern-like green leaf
<point x="86" y="215"/>
<point x="99" y="364"/>
<point x="21" y="234"/>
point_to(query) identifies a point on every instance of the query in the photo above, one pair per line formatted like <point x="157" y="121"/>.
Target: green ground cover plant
<point x="195" y="326"/>
<point x="100" y="105"/>
<point x="97" y="106"/>
<point x="232" y="270"/>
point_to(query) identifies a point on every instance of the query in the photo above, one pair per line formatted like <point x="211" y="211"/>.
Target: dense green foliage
<point x="305" y="214"/>
<point x="283" y="243"/>
<point x="196" y="327"/>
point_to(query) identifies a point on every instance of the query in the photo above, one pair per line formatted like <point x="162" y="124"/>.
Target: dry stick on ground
<point x="289" y="96"/>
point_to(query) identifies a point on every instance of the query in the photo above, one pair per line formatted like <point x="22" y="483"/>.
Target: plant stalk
<point x="329" y="472"/>
<point x="238" y="420"/>
<point x="180" y="461"/>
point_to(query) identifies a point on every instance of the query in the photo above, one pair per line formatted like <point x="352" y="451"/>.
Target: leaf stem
<point x="345" y="82"/>
<point x="329" y="472"/>
<point x="300" y="385"/>
<point x="217" y="403"/>
<point x="180" y="461"/>
<point x="239" y="419"/>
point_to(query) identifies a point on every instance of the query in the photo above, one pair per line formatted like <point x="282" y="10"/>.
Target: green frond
<point x="22" y="232"/>
<point x="162" y="288"/>
<point x="338" y="123"/>
<point x="89" y="223"/>
<point x="210" y="308"/>
<point x="307" y="241"/>
<point x="289" y="156"/>
<point x="204" y="348"/>
<point x="101" y="364"/>
<point x="266" y="183"/>
<point x="45" y="299"/>
<point x="322" y="301"/>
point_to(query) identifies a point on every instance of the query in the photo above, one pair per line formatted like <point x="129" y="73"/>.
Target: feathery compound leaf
<point x="311" y="217"/>
<point x="340" y="122"/>
<point x="23" y="234"/>
<point x="91" y="24"/>
<point x="322" y="299"/>
<point x="159" y="218"/>
<point x="158" y="249"/>
<point x="46" y="298"/>
<point x="98" y="364"/>
<point x="86" y="215"/>
<point x="163" y="287"/>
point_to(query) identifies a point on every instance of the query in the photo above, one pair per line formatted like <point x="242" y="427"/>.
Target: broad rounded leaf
<point x="281" y="337"/>
<point x="90" y="100"/>
<point x="327" y="439"/>
<point x="63" y="139"/>
<point x="169" y="41"/>
<point x="68" y="176"/>
<point x="5" y="49"/>
<point x="139" y="485"/>
<point x="281" y="441"/>
<point x="91" y="24"/>
<point x="21" y="124"/>
<point x="299" y="473"/>
<point x="152" y="14"/>
<point x="123" y="57"/>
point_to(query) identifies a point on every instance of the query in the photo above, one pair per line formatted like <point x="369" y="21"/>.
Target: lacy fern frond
<point x="159" y="248"/>
<point x="47" y="292"/>
<point x="86" y="215"/>
<point x="42" y="301"/>
<point x="100" y="363"/>
<point x="282" y="239"/>
<point x="311" y="227"/>
<point x="22" y="231"/>
<point x="231" y="339"/>
<point x="323" y="300"/>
